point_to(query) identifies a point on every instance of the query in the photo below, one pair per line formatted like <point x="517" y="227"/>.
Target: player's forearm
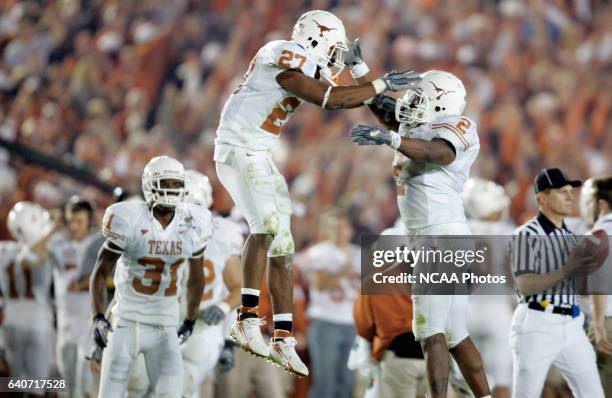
<point x="346" y="97"/>
<point x="426" y="151"/>
<point x="529" y="284"/>
<point x="97" y="285"/>
<point x="194" y="295"/>
<point x="97" y="289"/>
<point x="195" y="287"/>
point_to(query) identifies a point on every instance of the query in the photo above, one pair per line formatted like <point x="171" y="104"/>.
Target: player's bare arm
<point x="107" y="258"/>
<point x="232" y="280"/>
<point x="438" y="151"/>
<point x="195" y="285"/>
<point x="342" y="97"/>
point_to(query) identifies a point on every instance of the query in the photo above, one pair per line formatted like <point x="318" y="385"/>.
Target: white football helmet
<point x="438" y="94"/>
<point x="588" y="203"/>
<point x="29" y="222"/>
<point x="483" y="198"/>
<point x="199" y="189"/>
<point x="323" y="37"/>
<point x="158" y="169"/>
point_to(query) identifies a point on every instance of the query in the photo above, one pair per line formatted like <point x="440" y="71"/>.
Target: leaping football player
<point x="435" y="148"/>
<point x="282" y="75"/>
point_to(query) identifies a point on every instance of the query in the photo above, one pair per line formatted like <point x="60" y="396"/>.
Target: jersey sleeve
<point x="116" y="226"/>
<point x="290" y="55"/>
<point x="458" y="130"/>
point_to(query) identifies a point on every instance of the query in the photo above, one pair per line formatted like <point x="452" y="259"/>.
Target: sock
<point x="283" y="321"/>
<point x="250" y="298"/>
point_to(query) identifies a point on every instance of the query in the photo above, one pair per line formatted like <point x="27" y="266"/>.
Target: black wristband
<point x="99" y="316"/>
<point x="229" y="344"/>
<point x="188" y="322"/>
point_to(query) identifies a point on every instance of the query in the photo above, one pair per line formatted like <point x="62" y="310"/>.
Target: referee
<point x="547" y="323"/>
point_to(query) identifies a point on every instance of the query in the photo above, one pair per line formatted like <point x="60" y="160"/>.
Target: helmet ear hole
<point x="438" y="109"/>
<point x="314" y="43"/>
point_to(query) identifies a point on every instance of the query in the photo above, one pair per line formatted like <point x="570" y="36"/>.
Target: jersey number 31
<point x="154" y="275"/>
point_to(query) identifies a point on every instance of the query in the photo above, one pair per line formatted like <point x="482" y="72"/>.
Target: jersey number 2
<point x="209" y="277"/>
<point x="154" y="276"/>
<point x="278" y="117"/>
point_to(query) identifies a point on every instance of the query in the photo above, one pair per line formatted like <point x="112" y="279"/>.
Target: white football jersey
<point x="25" y="290"/>
<point x="333" y="305"/>
<point x="433" y="192"/>
<point x="227" y="241"/>
<point x="256" y="112"/>
<point x="71" y="294"/>
<point x="147" y="271"/>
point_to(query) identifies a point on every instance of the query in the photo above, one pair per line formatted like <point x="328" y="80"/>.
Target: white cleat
<point x="282" y="352"/>
<point x="247" y="334"/>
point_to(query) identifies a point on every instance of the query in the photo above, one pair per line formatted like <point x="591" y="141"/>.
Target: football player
<point x="148" y="241"/>
<point x="282" y="75"/>
<point x="65" y="252"/>
<point x="28" y="319"/>
<point x="221" y="292"/>
<point x="435" y="148"/>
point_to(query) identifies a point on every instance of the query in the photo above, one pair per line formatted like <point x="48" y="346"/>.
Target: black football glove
<point x="101" y="328"/>
<point x="185" y="330"/>
<point x="226" y="358"/>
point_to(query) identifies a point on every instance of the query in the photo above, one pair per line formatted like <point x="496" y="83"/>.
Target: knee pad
<point x="282" y="244"/>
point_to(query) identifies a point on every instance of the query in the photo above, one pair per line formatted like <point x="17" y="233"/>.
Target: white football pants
<point x="260" y="192"/>
<point x="434" y="314"/>
<point x="162" y="355"/>
<point x="540" y="339"/>
<point x="200" y="355"/>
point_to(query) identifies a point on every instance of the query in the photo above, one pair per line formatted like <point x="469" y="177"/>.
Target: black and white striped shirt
<point x="541" y="247"/>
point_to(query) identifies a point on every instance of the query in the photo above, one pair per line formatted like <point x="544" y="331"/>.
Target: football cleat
<point x="282" y="352"/>
<point x="247" y="333"/>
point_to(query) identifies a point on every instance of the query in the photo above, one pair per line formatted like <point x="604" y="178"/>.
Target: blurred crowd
<point x="107" y="84"/>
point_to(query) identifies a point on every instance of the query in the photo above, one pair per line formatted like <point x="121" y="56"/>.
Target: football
<point x="596" y="244"/>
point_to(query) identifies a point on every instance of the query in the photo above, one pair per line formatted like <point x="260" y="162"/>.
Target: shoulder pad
<point x="116" y="225"/>
<point x="289" y="55"/>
